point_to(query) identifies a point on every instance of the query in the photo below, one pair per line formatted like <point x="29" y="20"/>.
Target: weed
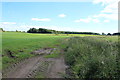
<point x="92" y="57"/>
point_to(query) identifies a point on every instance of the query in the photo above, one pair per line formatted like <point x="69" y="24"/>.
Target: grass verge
<point x="92" y="57"/>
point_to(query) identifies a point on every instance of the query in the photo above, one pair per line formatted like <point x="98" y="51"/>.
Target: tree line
<point x="43" y="30"/>
<point x="49" y="31"/>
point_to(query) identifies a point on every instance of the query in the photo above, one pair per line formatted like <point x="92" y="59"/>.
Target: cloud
<point x="8" y="23"/>
<point x="62" y="15"/>
<point x="83" y="20"/>
<point x="87" y="20"/>
<point x="104" y="2"/>
<point x="96" y="20"/>
<point x="106" y="21"/>
<point x="44" y="19"/>
<point x="110" y="10"/>
<point x="107" y="16"/>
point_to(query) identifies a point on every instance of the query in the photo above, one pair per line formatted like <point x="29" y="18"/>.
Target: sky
<point x="93" y="16"/>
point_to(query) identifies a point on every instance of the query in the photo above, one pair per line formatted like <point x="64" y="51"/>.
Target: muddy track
<point x="30" y="67"/>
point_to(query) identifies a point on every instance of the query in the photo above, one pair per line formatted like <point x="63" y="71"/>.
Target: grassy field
<point x="20" y="45"/>
<point x="88" y="56"/>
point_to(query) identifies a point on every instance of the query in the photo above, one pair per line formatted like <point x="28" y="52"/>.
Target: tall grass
<point x="92" y="57"/>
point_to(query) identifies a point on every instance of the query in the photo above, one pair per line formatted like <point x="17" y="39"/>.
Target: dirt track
<point x="57" y="68"/>
<point x="30" y="67"/>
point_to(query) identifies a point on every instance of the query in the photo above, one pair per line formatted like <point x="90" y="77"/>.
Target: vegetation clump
<point x="92" y="57"/>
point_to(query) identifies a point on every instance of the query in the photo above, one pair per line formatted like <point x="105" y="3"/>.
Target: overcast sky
<point x="93" y="16"/>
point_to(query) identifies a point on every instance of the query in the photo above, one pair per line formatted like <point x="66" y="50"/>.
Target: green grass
<point x="40" y="75"/>
<point x="85" y="54"/>
<point x="22" y="44"/>
<point x="110" y="38"/>
<point x="55" y="55"/>
<point x="92" y="57"/>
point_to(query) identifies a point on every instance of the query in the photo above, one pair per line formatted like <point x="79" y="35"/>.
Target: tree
<point x="32" y="30"/>
<point x="108" y="34"/>
<point x="1" y="30"/>
<point x="116" y="33"/>
<point x="17" y="31"/>
<point x="103" y="34"/>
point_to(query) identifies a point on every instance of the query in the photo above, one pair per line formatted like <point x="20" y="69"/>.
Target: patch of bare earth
<point x="57" y="68"/>
<point x="30" y="67"/>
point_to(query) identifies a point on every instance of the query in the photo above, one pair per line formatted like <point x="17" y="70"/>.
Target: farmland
<point x="21" y="44"/>
<point x="88" y="56"/>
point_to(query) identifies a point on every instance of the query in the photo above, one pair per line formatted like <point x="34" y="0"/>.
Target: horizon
<point x="58" y="30"/>
<point x="95" y="16"/>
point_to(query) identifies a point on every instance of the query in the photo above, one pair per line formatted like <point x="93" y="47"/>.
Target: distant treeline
<point x="42" y="30"/>
<point x="49" y="31"/>
<point x="116" y="34"/>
